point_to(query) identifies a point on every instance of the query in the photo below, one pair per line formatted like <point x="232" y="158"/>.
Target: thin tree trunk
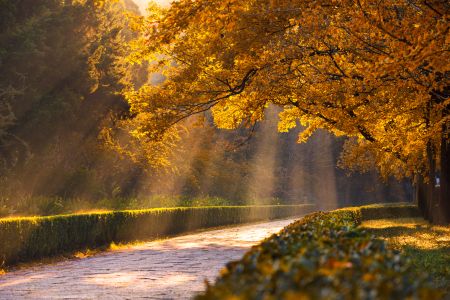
<point x="432" y="195"/>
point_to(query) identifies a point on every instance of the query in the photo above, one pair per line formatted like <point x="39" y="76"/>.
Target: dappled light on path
<point x="167" y="269"/>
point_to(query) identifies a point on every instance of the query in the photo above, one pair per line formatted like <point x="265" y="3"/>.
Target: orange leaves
<point x="352" y="67"/>
<point x="338" y="264"/>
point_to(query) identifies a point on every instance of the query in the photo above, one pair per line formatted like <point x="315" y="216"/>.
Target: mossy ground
<point x="428" y="246"/>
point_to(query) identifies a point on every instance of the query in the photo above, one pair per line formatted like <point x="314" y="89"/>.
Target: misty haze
<point x="276" y="149"/>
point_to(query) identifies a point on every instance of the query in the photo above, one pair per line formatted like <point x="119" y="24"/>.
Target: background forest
<point x="62" y="70"/>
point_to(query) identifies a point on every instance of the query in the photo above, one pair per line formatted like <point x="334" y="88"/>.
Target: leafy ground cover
<point x="323" y="256"/>
<point x="428" y="246"/>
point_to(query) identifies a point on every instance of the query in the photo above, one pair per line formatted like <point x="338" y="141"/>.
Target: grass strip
<point x="425" y="244"/>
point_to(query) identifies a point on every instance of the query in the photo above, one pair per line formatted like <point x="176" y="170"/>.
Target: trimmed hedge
<point x="25" y="239"/>
<point x="386" y="211"/>
<point x="322" y="256"/>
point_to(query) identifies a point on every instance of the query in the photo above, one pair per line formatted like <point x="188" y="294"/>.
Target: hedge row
<point x="322" y="256"/>
<point x="25" y="239"/>
<point x="386" y="211"/>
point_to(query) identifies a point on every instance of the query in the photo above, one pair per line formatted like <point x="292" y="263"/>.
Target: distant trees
<point x="61" y="69"/>
<point x="375" y="71"/>
<point x="64" y="64"/>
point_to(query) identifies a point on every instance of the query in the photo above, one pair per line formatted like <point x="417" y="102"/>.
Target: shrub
<point x="385" y="211"/>
<point x="24" y="239"/>
<point x="322" y="256"/>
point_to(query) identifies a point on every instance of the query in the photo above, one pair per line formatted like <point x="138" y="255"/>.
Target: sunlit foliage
<point x="376" y="71"/>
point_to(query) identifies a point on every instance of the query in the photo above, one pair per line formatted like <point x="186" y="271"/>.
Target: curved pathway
<point x="175" y="268"/>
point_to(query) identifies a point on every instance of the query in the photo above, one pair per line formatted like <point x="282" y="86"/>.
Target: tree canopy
<point x="375" y="71"/>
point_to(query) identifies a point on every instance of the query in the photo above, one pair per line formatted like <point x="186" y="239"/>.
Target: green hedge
<point x="322" y="256"/>
<point x="25" y="239"/>
<point x="386" y="211"/>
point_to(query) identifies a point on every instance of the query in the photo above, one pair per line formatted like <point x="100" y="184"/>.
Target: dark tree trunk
<point x="425" y="185"/>
<point x="431" y="199"/>
<point x="444" y="195"/>
<point x="421" y="196"/>
<point x="444" y="201"/>
<point x="426" y="193"/>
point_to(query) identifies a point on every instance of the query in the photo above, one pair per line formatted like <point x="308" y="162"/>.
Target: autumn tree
<point x="374" y="71"/>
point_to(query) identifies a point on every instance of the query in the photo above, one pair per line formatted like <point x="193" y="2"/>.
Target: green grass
<point x="47" y="206"/>
<point x="428" y="246"/>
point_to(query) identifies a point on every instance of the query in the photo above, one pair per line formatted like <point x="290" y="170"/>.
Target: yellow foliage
<point x="365" y="69"/>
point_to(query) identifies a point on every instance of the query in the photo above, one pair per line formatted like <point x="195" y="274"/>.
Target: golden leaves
<point x="353" y="68"/>
<point x="288" y="119"/>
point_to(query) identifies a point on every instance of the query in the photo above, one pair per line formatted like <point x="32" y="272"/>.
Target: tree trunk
<point x="421" y="196"/>
<point x="431" y="195"/>
<point x="444" y="201"/>
<point x="444" y="195"/>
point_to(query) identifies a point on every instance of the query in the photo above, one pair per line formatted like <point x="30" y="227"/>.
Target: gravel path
<point x="175" y="268"/>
